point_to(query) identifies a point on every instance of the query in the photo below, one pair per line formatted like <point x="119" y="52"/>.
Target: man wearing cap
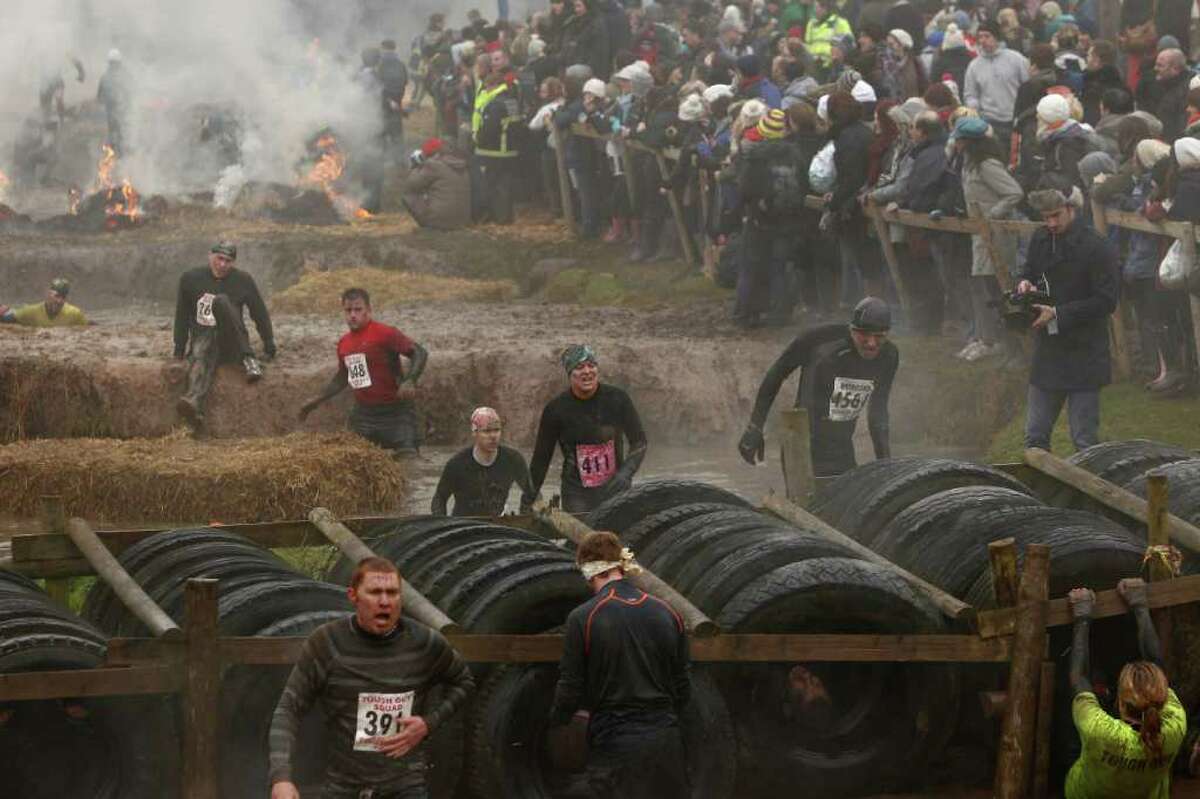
<point x="369" y="363"/>
<point x="625" y="659"/>
<point x="1078" y="268"/>
<point x="54" y="311"/>
<point x="210" y="326"/>
<point x="479" y="477"/>
<point x="993" y="79"/>
<point x="843" y="374"/>
<point x="437" y="191"/>
<point x="588" y="422"/>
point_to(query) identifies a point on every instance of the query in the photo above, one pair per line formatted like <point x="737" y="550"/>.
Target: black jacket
<point x="1079" y="270"/>
<point x="1095" y="84"/>
<point x="585" y="41"/>
<point x="1185" y="204"/>
<point x="480" y="490"/>
<point x="928" y="175"/>
<point x="1170" y="104"/>
<point x="625" y="659"/>
<point x="241" y="290"/>
<point x="953" y="61"/>
<point x="850" y="159"/>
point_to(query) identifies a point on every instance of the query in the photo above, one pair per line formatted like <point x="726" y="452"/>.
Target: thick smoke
<point x="282" y="69"/>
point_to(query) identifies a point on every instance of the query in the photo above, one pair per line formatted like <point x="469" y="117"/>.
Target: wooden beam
<point x="414" y="602"/>
<point x="987" y="236"/>
<point x="1112" y="496"/>
<point x="789" y="512"/>
<point x="54" y="522"/>
<point x="1042" y="745"/>
<point x="1014" y="757"/>
<point x="79" y="683"/>
<point x="575" y="531"/>
<point x="1157" y="503"/>
<point x="681" y="229"/>
<point x="566" y="201"/>
<point x="1180" y="591"/>
<point x="1002" y="556"/>
<point x="890" y="257"/>
<point x="795" y="454"/>
<point x="201" y="691"/>
<point x="110" y="570"/>
<point x="1116" y="320"/>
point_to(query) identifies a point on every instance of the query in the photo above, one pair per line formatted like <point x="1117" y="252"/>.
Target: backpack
<point x="776" y="180"/>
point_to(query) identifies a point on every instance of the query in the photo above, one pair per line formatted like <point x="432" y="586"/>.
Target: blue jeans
<point x="1083" y="416"/>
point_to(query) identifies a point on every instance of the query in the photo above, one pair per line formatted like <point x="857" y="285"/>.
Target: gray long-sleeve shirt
<point x="992" y="83"/>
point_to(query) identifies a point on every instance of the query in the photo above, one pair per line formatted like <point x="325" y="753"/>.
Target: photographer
<point x="437" y="192"/>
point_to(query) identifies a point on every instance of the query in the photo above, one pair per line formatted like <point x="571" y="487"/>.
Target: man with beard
<point x="843" y="374"/>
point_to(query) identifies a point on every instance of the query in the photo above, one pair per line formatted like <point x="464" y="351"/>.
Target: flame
<point x="74" y="198"/>
<point x="325" y="172"/>
<point x="3" y="184"/>
<point x="121" y="203"/>
<point x="104" y="170"/>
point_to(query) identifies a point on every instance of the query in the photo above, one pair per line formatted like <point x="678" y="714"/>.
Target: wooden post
<point x="1014" y="760"/>
<point x="789" y="512"/>
<point x="575" y="531"/>
<point x="201" y="691"/>
<point x="630" y="176"/>
<point x="564" y="179"/>
<point x="987" y="235"/>
<point x="1120" y="343"/>
<point x="795" y="453"/>
<point x="685" y="236"/>
<point x="1045" y="718"/>
<point x="889" y="255"/>
<point x="1002" y="555"/>
<point x="1188" y="243"/>
<point x="415" y="603"/>
<point x="110" y="570"/>
<point x="1157" y="502"/>
<point x="54" y="520"/>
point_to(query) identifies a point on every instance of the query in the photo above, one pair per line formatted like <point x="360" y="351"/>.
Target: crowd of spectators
<point x="948" y="109"/>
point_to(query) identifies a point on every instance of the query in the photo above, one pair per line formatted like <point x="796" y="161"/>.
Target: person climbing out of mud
<point x="844" y="372"/>
<point x="479" y="477"/>
<point x="369" y="362"/>
<point x="374" y="675"/>
<point x="588" y="422"/>
<point x="1128" y="757"/>
<point x="54" y="311"/>
<point x="210" y="326"/>
<point x="625" y="658"/>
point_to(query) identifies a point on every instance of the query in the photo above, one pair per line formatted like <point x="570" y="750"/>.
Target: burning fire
<point x="325" y="172"/>
<point x="74" y="198"/>
<point x="3" y="184"/>
<point x="121" y="203"/>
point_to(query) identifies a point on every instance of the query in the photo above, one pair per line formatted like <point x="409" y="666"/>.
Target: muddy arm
<point x="418" y="360"/>
<point x="331" y="390"/>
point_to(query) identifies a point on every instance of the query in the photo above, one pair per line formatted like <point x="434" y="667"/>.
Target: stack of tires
<point x="259" y="595"/>
<point x="108" y="748"/>
<point x="1127" y="463"/>
<point x="864" y="727"/>
<point x="492" y="578"/>
<point x="935" y="517"/>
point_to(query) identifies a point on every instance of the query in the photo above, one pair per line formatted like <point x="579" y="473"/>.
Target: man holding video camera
<point x="1076" y="269"/>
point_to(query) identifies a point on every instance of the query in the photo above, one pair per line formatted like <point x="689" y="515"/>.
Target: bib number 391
<point x="356" y="371"/>
<point x="204" y="311"/>
<point x="597" y="463"/>
<point x="379" y="716"/>
<point x="850" y="397"/>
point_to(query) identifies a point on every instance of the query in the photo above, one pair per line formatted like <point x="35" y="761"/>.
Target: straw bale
<point x="536" y="230"/>
<point x="319" y="292"/>
<point x="177" y="479"/>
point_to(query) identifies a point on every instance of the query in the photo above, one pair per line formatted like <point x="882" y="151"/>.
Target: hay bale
<point x="177" y="479"/>
<point x="319" y="292"/>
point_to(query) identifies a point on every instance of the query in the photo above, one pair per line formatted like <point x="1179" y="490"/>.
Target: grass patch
<point x="319" y="292"/>
<point x="1126" y="411"/>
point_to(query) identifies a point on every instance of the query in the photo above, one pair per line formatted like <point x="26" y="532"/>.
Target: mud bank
<point x="117" y="378"/>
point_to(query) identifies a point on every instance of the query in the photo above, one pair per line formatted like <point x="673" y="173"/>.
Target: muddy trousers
<point x="1083" y="415"/>
<point x="650" y="764"/>
<point x="393" y="425"/>
<point x="227" y="342"/>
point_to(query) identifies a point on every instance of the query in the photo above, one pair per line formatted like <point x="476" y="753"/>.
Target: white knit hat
<point x="716" y="92"/>
<point x="863" y="92"/>
<point x="1187" y="152"/>
<point x="953" y="38"/>
<point x="902" y="36"/>
<point x="1150" y="151"/>
<point x="692" y="108"/>
<point x="596" y="88"/>
<point x="1053" y="108"/>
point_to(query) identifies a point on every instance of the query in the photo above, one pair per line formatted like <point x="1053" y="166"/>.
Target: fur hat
<point x="902" y="36"/>
<point x="692" y="109"/>
<point x="1053" y="108"/>
<point x="954" y="38"/>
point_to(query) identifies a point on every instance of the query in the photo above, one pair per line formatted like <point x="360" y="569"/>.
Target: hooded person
<point x="437" y="190"/>
<point x="596" y="428"/>
<point x="479" y="478"/>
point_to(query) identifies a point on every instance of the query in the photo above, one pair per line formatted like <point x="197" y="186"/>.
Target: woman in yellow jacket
<point x="1128" y="757"/>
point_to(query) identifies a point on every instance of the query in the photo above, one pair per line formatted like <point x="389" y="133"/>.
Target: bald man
<point x="480" y="477"/>
<point x="1168" y="96"/>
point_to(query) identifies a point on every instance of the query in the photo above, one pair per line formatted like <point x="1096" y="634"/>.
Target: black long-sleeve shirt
<point x="836" y="385"/>
<point x="480" y="490"/>
<point x="625" y="656"/>
<point x="340" y="667"/>
<point x="242" y="292"/>
<point x="580" y="428"/>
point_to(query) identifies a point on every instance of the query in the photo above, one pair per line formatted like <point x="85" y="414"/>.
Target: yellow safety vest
<point x="483" y="98"/>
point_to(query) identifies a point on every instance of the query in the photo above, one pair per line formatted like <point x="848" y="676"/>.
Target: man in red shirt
<point x="369" y="363"/>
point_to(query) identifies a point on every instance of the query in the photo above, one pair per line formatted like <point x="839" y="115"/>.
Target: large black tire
<point x="624" y="510"/>
<point x="861" y="502"/>
<point x="1121" y="462"/>
<point x="885" y="720"/>
<point x="111" y="748"/>
<point x="507" y="729"/>
<point x="697" y="531"/>
<point x="929" y="522"/>
<point x="531" y="600"/>
<point x="1184" y="482"/>
<point x="645" y="531"/>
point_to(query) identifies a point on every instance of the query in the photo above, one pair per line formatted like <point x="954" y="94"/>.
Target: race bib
<point x="204" y="312"/>
<point x="849" y="398"/>
<point x="379" y="716"/>
<point x="597" y="463"/>
<point x="356" y="369"/>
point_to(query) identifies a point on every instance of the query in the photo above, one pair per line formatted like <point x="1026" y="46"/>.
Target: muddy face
<point x="487" y="440"/>
<point x="54" y="302"/>
<point x="867" y="344"/>
<point x="221" y="265"/>
<point x="585" y="378"/>
<point x="377" y="602"/>
<point x="357" y="313"/>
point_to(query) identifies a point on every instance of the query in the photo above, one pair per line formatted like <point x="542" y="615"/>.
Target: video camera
<point x="1017" y="309"/>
